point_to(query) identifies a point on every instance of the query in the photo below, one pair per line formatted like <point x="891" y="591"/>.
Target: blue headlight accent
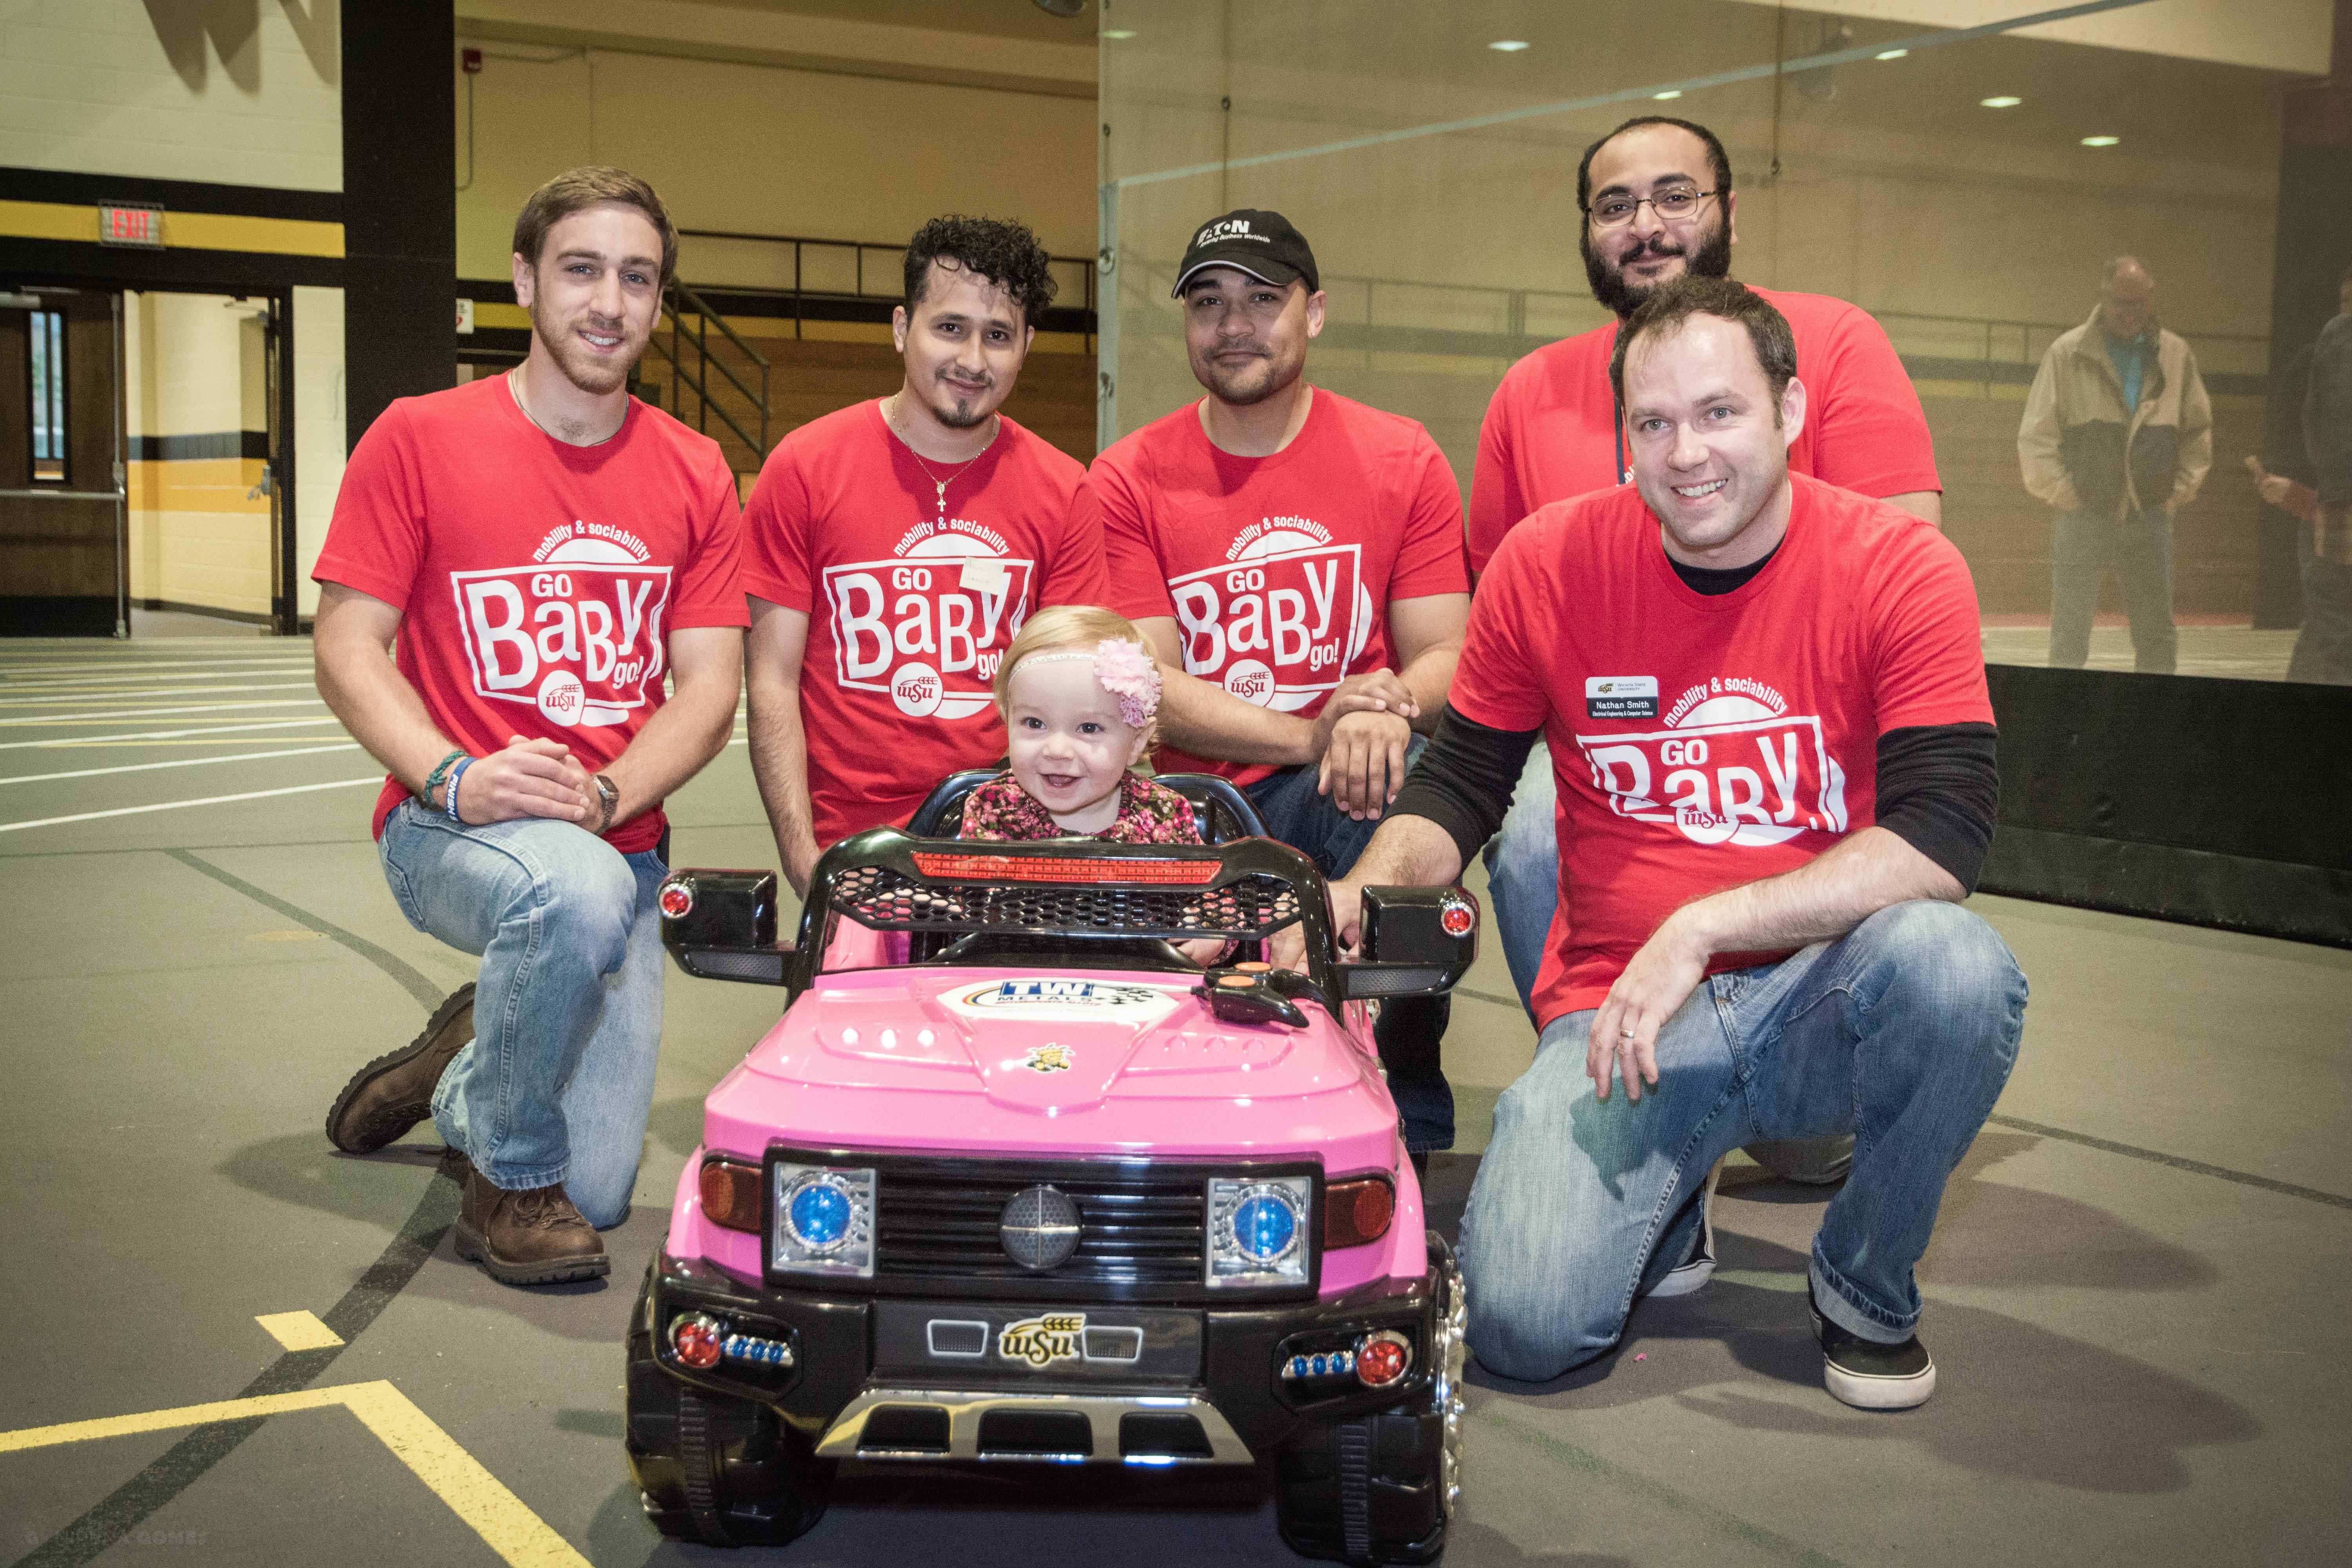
<point x="1264" y="1225"/>
<point x="819" y="1215"/>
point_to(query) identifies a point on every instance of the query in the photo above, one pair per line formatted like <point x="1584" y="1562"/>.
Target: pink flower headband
<point x="1121" y="669"/>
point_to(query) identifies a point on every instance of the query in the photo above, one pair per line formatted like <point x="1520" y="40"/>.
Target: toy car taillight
<point x="1039" y="868"/>
<point x="730" y="1193"/>
<point x="1383" y="1358"/>
<point x="1357" y="1211"/>
<point x="695" y="1337"/>
<point x="676" y="899"/>
<point x="1456" y="915"/>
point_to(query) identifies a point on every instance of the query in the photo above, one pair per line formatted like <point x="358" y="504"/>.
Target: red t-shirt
<point x="536" y="580"/>
<point x="1701" y="741"/>
<point x="908" y="618"/>
<point x="1279" y="571"/>
<point x="1549" y="433"/>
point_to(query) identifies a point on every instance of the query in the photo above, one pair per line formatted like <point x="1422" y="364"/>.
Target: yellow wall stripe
<point x="501" y="1519"/>
<point x="181" y="230"/>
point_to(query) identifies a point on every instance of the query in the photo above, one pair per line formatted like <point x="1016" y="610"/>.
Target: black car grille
<point x="1140" y="1230"/>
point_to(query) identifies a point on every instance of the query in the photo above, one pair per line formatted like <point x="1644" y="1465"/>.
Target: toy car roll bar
<point x="721" y="925"/>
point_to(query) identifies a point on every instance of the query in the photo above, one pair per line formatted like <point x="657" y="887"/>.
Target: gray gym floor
<point x="2136" y="1296"/>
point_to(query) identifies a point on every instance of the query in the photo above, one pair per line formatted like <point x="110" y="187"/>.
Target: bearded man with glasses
<point x="1658" y="204"/>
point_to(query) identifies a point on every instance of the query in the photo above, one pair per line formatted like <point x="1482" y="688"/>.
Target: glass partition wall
<point x="1965" y="173"/>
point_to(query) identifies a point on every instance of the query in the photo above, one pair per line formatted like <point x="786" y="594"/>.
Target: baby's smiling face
<point x="1067" y="743"/>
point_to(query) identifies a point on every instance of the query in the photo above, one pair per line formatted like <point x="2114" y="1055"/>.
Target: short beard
<point x="956" y="415"/>
<point x="1711" y="259"/>
<point x="1232" y="390"/>
<point x="561" y="349"/>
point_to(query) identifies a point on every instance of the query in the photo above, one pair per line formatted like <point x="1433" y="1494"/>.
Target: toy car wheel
<point x="722" y="1471"/>
<point x="1383" y="1487"/>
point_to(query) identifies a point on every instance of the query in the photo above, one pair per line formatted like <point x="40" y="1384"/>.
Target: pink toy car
<point x="1014" y="1180"/>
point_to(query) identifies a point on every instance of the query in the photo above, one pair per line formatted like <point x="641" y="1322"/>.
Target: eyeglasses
<point x="1673" y="203"/>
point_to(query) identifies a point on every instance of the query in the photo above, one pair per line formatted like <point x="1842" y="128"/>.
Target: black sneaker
<point x="1696" y="1270"/>
<point x="1867" y="1375"/>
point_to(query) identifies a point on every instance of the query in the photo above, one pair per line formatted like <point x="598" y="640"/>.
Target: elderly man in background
<point x="2118" y="436"/>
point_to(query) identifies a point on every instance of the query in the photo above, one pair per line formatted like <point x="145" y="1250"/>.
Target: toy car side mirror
<point x="1417" y="941"/>
<point x="721" y="925"/>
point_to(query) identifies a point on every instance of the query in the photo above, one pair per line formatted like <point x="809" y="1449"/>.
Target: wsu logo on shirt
<point x="577" y="633"/>
<point x="1279" y="623"/>
<point x="1732" y="766"/>
<point x="930" y="626"/>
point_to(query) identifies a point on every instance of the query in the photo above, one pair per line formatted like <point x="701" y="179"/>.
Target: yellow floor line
<point x="501" y="1519"/>
<point x="296" y="1330"/>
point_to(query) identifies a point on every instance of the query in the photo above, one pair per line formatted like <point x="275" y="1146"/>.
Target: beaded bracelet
<point x="456" y="774"/>
<point x="440" y="772"/>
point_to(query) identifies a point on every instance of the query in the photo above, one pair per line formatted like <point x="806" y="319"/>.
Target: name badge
<point x="1621" y="696"/>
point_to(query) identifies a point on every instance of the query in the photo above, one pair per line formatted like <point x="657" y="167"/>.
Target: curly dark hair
<point x="999" y="249"/>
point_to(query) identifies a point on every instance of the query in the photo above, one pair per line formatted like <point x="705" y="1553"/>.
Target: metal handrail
<point x="799" y="291"/>
<point x="681" y="299"/>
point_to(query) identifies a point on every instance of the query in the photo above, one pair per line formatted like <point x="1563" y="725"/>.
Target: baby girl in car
<point x="1078" y="692"/>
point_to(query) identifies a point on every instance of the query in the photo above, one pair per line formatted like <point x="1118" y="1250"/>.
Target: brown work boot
<point x="531" y="1237"/>
<point x="394" y="1093"/>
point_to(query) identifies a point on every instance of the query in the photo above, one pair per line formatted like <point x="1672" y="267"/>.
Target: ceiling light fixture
<point x="1116" y="34"/>
<point x="1890" y="54"/>
<point x="1509" y="46"/>
<point x="2003" y="102"/>
<point x="1064" y="8"/>
<point x="2101" y="140"/>
<point x="1672" y="92"/>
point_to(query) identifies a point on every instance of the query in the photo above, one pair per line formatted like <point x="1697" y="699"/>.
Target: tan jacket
<point x="2079" y="452"/>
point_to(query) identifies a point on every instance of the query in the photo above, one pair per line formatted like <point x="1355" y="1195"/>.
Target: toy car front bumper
<point x="941" y="1379"/>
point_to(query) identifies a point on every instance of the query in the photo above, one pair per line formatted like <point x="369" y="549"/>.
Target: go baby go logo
<point x="930" y="626"/>
<point x="577" y="633"/>
<point x="1279" y="621"/>
<point x="1732" y="765"/>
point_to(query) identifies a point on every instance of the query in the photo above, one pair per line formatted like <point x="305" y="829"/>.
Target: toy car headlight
<point x="1259" y="1231"/>
<point x="821" y="1221"/>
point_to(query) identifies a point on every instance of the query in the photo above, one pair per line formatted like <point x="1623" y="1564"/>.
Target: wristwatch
<point x="609" y="794"/>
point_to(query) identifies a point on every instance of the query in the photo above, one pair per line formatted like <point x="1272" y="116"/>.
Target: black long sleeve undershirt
<point x="1938" y="787"/>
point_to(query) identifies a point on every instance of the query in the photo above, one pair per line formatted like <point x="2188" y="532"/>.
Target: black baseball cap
<point x="1262" y="243"/>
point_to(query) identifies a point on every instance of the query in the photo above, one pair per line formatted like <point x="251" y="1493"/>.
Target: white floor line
<point x="177" y="763"/>
<point x="80" y="682"/>
<point x="155" y="712"/>
<point x="149" y="694"/>
<point x="164" y="734"/>
<point x="376" y="779"/>
<point x="117" y="665"/>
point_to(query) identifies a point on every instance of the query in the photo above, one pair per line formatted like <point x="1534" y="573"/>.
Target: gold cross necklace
<point x="890" y="418"/>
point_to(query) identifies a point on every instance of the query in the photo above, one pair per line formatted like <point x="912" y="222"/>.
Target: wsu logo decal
<point x="1732" y="766"/>
<point x="930" y="627"/>
<point x="1281" y="620"/>
<point x="577" y="634"/>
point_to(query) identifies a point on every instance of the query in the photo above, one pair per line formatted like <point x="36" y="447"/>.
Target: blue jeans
<point x="558" y="1080"/>
<point x="1411" y="1029"/>
<point x="1901" y="1032"/>
<point x="1523" y="873"/>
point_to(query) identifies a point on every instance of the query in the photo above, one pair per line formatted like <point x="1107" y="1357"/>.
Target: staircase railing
<point x="679" y="301"/>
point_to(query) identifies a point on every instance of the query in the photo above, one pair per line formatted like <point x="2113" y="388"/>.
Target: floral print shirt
<point x="1148" y="813"/>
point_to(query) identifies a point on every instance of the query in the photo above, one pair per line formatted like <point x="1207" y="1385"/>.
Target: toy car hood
<point x="978" y="1057"/>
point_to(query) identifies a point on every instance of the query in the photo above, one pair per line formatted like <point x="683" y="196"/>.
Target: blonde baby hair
<point x="1069" y="627"/>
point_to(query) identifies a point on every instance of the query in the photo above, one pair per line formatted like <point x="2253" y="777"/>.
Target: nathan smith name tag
<point x="1621" y="696"/>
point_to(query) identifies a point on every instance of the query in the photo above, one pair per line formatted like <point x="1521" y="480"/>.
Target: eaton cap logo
<point x="1231" y="228"/>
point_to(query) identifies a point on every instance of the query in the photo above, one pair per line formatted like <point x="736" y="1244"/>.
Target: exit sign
<point x="140" y="226"/>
